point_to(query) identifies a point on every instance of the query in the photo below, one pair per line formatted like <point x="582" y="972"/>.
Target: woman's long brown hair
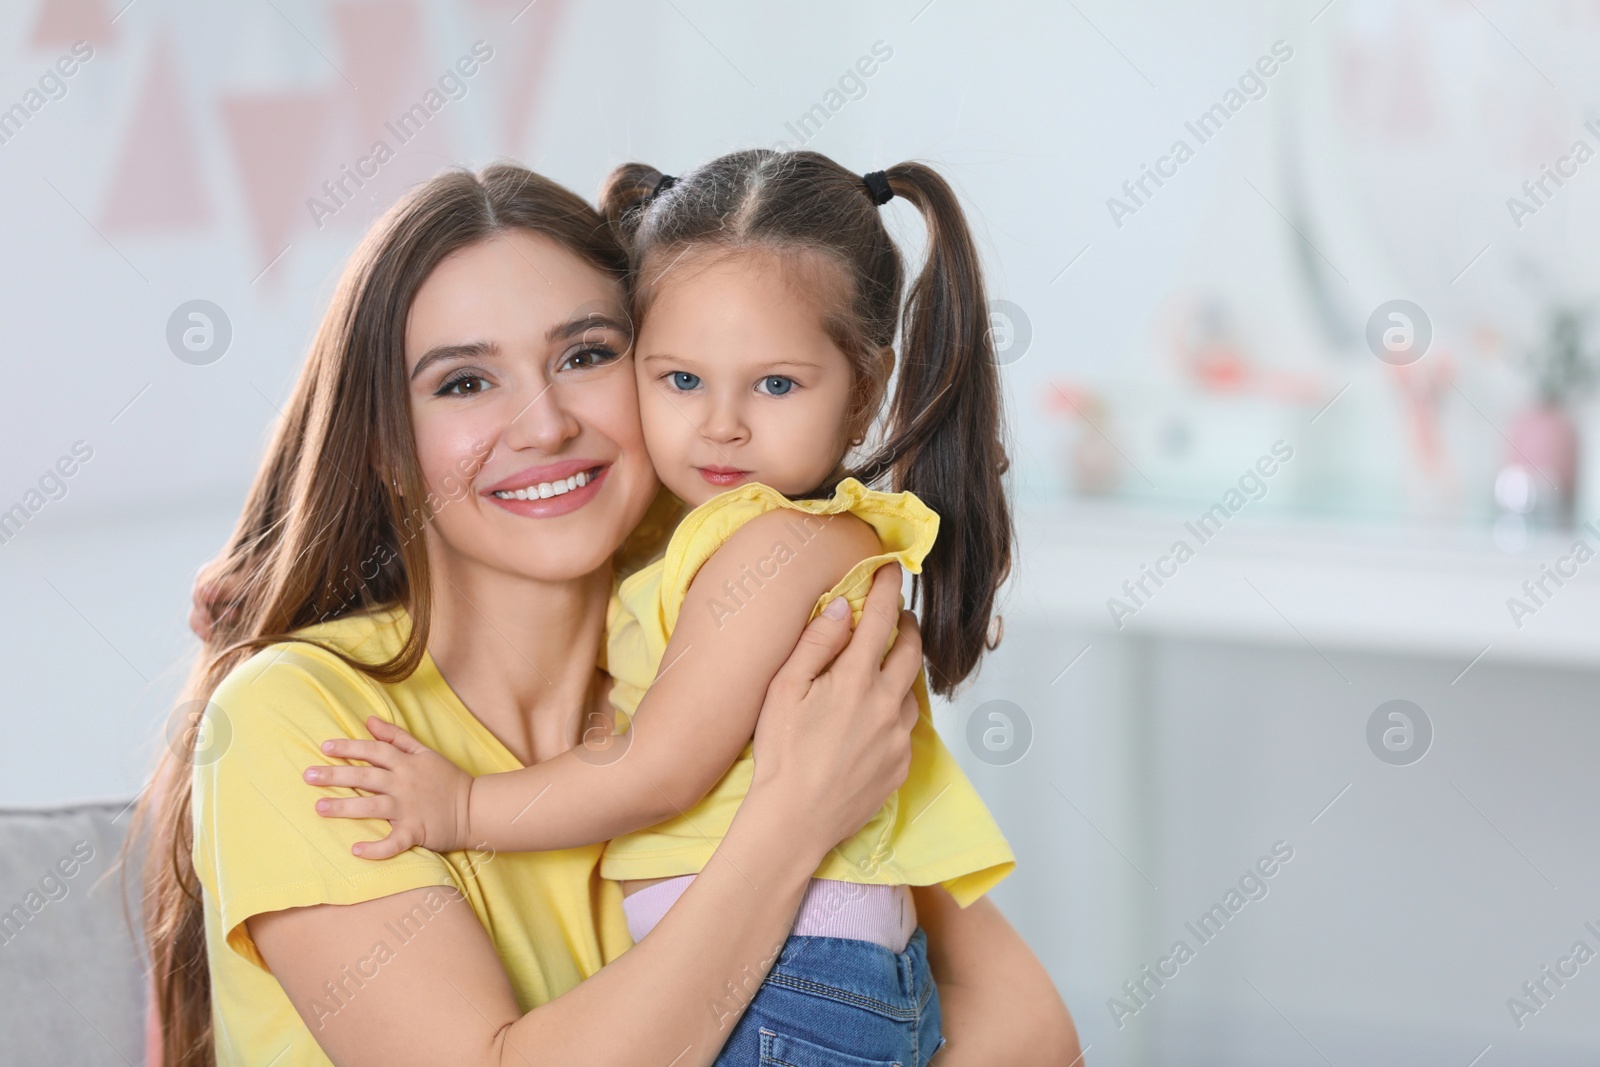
<point x="326" y="529"/>
<point x="941" y="436"/>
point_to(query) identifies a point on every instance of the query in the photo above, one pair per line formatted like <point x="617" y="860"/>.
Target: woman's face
<point x="525" y="410"/>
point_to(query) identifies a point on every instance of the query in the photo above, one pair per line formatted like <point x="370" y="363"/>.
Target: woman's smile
<point x="550" y="490"/>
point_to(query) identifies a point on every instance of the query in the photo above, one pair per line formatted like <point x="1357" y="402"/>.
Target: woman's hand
<point x="835" y="741"/>
<point x="212" y="600"/>
<point x="424" y="796"/>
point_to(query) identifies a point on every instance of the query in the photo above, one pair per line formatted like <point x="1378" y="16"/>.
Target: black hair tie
<point x="663" y="183"/>
<point x="878" y="187"/>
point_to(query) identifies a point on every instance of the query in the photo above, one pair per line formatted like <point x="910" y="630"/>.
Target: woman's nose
<point x="543" y="421"/>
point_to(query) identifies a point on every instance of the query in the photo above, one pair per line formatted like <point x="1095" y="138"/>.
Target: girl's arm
<point x="998" y="1005"/>
<point x="743" y="614"/>
<point x="830" y="747"/>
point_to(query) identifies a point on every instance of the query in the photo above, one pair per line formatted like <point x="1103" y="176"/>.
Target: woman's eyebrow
<point x="592" y="321"/>
<point x="454" y="354"/>
<point x="481" y="349"/>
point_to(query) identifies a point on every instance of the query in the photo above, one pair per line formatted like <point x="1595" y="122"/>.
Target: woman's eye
<point x="462" y="385"/>
<point x="776" y="385"/>
<point x="589" y="357"/>
<point x="683" y="380"/>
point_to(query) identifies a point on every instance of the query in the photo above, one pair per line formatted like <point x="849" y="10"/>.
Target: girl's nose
<point x="725" y="424"/>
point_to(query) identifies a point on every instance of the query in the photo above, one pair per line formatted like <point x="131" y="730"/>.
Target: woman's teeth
<point x="547" y="489"/>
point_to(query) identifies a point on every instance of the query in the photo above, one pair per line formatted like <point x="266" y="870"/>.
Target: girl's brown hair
<point x="941" y="437"/>
<point x="326" y="530"/>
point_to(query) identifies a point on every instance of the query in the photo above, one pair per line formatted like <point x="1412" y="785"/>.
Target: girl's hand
<point x="834" y="737"/>
<point x="424" y="796"/>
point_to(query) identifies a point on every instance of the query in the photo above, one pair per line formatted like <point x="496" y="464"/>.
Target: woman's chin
<point x="561" y="564"/>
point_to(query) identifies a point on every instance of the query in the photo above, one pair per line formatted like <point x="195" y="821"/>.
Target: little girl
<point x="768" y="293"/>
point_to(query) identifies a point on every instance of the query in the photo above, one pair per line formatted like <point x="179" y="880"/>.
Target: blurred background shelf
<point x="1413" y="589"/>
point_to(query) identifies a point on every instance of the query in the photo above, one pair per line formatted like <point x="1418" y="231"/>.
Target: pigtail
<point x="943" y="438"/>
<point x="624" y="195"/>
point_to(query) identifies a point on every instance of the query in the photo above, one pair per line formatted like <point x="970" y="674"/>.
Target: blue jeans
<point x="834" y="1002"/>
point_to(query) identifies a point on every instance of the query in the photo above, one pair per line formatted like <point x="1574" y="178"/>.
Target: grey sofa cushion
<point x="72" y="976"/>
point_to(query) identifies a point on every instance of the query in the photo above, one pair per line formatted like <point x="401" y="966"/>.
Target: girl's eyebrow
<point x="454" y="354"/>
<point x="803" y="364"/>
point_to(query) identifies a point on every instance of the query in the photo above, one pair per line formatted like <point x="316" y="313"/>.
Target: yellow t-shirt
<point x="933" y="830"/>
<point x="260" y="846"/>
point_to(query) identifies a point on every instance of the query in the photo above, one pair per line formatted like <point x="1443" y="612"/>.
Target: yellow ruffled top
<point x="933" y="830"/>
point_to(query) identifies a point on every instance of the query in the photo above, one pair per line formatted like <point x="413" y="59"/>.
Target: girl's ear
<point x="869" y="396"/>
<point x="885" y="372"/>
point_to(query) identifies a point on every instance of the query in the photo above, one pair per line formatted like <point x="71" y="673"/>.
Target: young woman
<point x="380" y="574"/>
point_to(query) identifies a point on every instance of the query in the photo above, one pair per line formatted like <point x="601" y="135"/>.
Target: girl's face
<point x="525" y="411"/>
<point x="738" y="380"/>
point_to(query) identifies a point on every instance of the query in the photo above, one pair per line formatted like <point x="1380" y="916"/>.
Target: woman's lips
<point x="723" y="476"/>
<point x="545" y="507"/>
<point x="549" y="472"/>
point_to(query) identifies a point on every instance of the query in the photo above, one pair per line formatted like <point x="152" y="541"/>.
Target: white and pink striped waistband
<point x="882" y="914"/>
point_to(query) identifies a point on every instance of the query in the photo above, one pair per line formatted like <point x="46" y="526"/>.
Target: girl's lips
<point x="550" y="507"/>
<point x="723" y="475"/>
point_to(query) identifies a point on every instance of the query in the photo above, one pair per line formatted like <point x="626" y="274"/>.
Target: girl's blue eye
<point x="776" y="385"/>
<point x="683" y="380"/>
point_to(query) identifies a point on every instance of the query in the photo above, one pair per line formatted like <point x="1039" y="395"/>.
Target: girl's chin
<point x="696" y="489"/>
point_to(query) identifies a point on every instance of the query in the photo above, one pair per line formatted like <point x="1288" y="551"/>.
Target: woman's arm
<point x="830" y="747"/>
<point x="998" y="1004"/>
<point x="690" y="727"/>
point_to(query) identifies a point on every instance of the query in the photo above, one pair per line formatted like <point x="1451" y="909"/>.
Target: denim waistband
<point x="896" y="985"/>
